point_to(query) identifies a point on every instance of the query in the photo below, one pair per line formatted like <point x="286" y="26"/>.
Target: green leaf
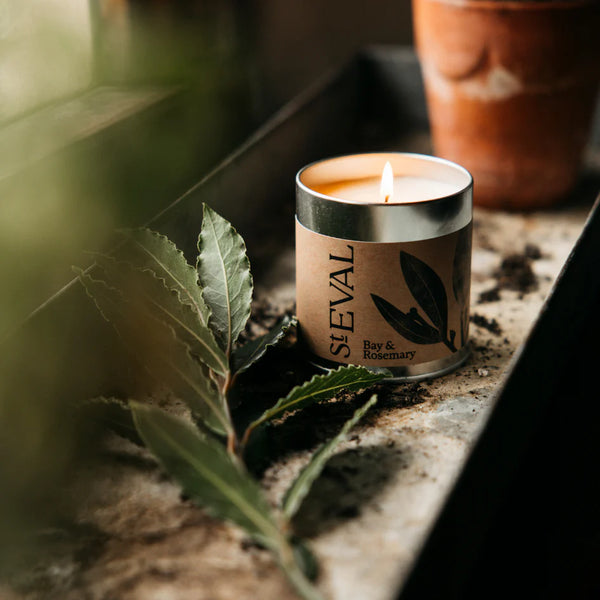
<point x="299" y="579"/>
<point x="320" y="387"/>
<point x="248" y="354"/>
<point x="207" y="473"/>
<point x="209" y="476"/>
<point x="150" y="250"/>
<point x="190" y="381"/>
<point x="224" y="272"/>
<point x="143" y="287"/>
<point x="166" y="358"/>
<point x="301" y="486"/>
<point x="113" y="414"/>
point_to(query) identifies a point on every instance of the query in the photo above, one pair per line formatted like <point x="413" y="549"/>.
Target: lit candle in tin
<point x="387" y="188"/>
<point x="383" y="262"/>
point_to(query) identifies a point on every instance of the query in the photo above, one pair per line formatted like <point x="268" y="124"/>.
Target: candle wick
<point x="387" y="198"/>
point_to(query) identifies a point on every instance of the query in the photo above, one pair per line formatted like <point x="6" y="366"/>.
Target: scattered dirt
<point x="490" y="325"/>
<point x="402" y="396"/>
<point x="515" y="272"/>
<point x="491" y="295"/>
<point x="533" y="252"/>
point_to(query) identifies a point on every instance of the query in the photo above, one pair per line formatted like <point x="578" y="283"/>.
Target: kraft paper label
<point x="383" y="304"/>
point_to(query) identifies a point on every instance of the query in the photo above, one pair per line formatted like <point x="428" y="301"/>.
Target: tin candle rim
<point x="379" y="221"/>
<point x="411" y="158"/>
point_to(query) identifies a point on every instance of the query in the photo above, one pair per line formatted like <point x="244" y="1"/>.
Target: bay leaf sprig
<point x="182" y="324"/>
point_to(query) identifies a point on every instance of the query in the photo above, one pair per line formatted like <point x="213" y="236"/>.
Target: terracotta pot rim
<point x="517" y="5"/>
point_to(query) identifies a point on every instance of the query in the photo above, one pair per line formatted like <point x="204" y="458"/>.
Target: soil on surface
<point x="490" y="325"/>
<point x="491" y="295"/>
<point x="514" y="273"/>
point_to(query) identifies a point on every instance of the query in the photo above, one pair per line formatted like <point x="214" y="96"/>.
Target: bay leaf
<point x="301" y="486"/>
<point x="319" y="388"/>
<point x="165" y="357"/>
<point x="207" y="473"/>
<point x="224" y="271"/>
<point x="147" y="249"/>
<point x="251" y="352"/>
<point x="151" y="293"/>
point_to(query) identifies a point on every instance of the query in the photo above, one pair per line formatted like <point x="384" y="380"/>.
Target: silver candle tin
<point x="384" y="285"/>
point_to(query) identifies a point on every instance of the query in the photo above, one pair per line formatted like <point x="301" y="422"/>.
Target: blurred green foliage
<point x="162" y="106"/>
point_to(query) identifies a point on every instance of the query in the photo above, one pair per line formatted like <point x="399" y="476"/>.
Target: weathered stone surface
<point x="128" y="535"/>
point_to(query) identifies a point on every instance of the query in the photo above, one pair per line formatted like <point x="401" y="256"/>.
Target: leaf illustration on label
<point x="409" y="325"/>
<point x="461" y="279"/>
<point x="427" y="289"/>
<point x="461" y="266"/>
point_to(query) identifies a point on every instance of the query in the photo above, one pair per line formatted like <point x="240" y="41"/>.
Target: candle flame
<point x="387" y="182"/>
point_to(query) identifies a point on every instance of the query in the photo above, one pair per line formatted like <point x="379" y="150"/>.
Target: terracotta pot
<point x="511" y="89"/>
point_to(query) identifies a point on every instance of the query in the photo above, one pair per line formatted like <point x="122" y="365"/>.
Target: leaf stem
<point x="289" y="565"/>
<point x="300" y="582"/>
<point x="232" y="440"/>
<point x="246" y="436"/>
